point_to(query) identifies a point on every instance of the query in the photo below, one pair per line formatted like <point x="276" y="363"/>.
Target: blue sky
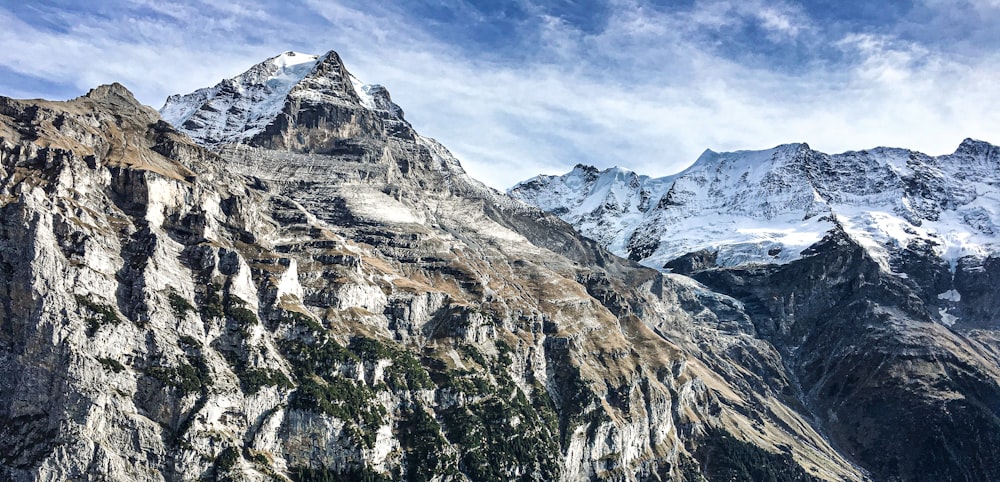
<point x="519" y="88"/>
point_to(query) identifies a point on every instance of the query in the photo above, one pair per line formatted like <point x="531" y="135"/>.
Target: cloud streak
<point x="641" y="86"/>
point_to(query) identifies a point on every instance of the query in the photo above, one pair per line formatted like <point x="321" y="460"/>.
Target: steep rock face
<point x="354" y="306"/>
<point x="902" y="394"/>
<point x="315" y="96"/>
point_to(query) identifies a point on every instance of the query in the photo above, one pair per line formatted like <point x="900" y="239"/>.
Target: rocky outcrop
<point x="902" y="394"/>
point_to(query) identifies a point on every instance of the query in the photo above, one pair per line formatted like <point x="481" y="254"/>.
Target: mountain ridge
<point x="823" y="184"/>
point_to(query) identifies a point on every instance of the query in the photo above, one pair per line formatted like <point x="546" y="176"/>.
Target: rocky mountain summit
<point x="281" y="280"/>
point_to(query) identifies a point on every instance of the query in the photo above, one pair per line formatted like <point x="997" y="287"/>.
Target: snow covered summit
<point x="241" y="108"/>
<point x="768" y="206"/>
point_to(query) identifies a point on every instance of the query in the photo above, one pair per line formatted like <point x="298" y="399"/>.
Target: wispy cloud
<point x="641" y="85"/>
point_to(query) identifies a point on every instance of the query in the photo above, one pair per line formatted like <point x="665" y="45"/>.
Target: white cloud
<point x="778" y="22"/>
<point x="883" y="60"/>
<point x="686" y="98"/>
<point x="151" y="56"/>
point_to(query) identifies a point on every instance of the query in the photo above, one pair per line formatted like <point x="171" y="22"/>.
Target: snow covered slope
<point x="238" y="109"/>
<point x="606" y="206"/>
<point x="767" y="206"/>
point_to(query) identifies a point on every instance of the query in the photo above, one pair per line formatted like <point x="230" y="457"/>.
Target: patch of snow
<point x="604" y="205"/>
<point x="947" y="318"/>
<point x="364" y="92"/>
<point x="950" y="295"/>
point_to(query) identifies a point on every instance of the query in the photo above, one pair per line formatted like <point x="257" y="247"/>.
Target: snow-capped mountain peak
<point x="239" y="108"/>
<point x="604" y="205"/>
<point x="767" y="206"/>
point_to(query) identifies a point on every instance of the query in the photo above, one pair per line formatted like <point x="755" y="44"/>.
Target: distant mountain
<point x="768" y="206"/>
<point x="867" y="271"/>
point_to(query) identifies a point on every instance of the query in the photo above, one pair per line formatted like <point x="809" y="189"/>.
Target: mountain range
<point x="278" y="278"/>
<point x="767" y="206"/>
